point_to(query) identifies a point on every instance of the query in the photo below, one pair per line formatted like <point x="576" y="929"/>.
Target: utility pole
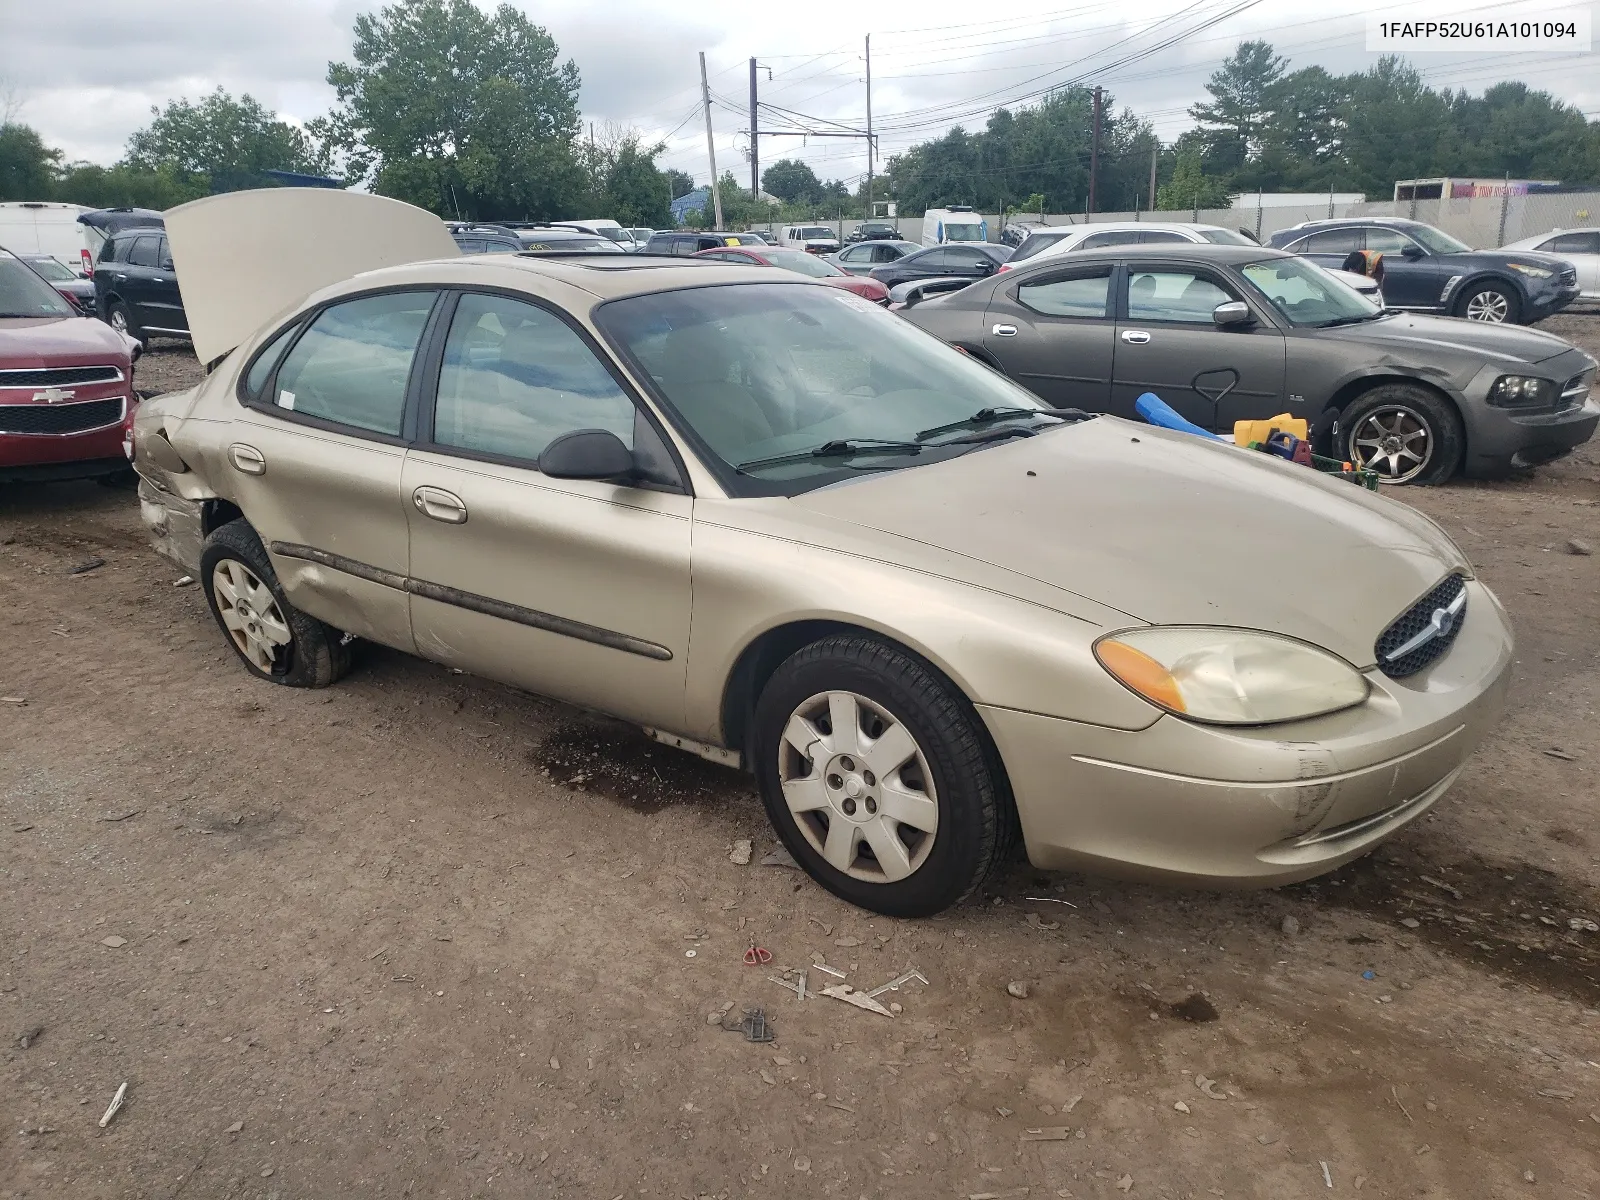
<point x="1094" y="153"/>
<point x="711" y="145"/>
<point x="755" y="144"/>
<point x="1153" y="154"/>
<point x="869" y="128"/>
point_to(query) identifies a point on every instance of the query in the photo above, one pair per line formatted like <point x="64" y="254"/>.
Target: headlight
<point x="1523" y="391"/>
<point x="1530" y="269"/>
<point x="1230" y="676"/>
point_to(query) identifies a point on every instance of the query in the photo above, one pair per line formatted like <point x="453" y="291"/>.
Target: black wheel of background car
<point x="274" y="639"/>
<point x="1494" y="303"/>
<point x="120" y="319"/>
<point x="1404" y="432"/>
<point x="125" y="478"/>
<point x="877" y="775"/>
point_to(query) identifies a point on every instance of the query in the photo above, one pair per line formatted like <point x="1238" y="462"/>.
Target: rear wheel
<point x="120" y="318"/>
<point x="274" y="639"/>
<point x="877" y="777"/>
<point x="1405" y="433"/>
<point x="1492" y="303"/>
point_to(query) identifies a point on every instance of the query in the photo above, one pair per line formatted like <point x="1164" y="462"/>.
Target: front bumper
<point x="1499" y="439"/>
<point x="1547" y="303"/>
<point x="1188" y="803"/>
<point x="74" y="454"/>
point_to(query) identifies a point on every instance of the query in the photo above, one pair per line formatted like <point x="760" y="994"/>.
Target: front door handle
<point x="122" y="277"/>
<point x="1137" y="337"/>
<point x="440" y="505"/>
<point x="1003" y="330"/>
<point x="247" y="459"/>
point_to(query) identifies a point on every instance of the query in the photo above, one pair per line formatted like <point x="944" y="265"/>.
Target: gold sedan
<point x="779" y="527"/>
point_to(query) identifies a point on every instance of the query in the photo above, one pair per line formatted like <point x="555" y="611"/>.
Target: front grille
<point x="1415" y="620"/>
<point x="60" y="418"/>
<point x="59" y="377"/>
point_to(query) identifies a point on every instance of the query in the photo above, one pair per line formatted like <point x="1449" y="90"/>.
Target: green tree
<point x="226" y="141"/>
<point x="458" y="110"/>
<point x="680" y="183"/>
<point x="1190" y="187"/>
<point x="791" y="181"/>
<point x="27" y="166"/>
<point x="632" y="191"/>
<point x="122" y="186"/>
<point x="1242" y="91"/>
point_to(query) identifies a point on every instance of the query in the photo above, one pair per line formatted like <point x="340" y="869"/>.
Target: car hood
<point x="1168" y="528"/>
<point x="32" y="342"/>
<point x="243" y="257"/>
<point x="1419" y="332"/>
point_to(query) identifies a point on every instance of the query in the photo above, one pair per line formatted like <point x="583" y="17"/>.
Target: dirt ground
<point x="423" y="935"/>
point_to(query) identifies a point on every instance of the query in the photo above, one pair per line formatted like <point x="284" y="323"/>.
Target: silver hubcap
<point x="1393" y="441"/>
<point x="1488" y="306"/>
<point x="119" y="322"/>
<point x="250" y="614"/>
<point x="859" y="787"/>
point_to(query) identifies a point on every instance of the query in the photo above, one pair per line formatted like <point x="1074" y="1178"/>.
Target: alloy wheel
<point x="1490" y="306"/>
<point x="251" y="616"/>
<point x="1394" y="441"/>
<point x="119" y="320"/>
<point x="858" y="786"/>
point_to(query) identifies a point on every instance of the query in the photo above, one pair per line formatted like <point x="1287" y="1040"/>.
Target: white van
<point x="955" y="224"/>
<point x="39" y="227"/>
<point x="815" y="239"/>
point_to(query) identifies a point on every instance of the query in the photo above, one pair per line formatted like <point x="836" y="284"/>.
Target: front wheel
<point x="876" y="775"/>
<point x="1405" y="433"/>
<point x="120" y="319"/>
<point x="1492" y="303"/>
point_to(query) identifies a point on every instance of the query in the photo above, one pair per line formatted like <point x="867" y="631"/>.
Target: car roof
<point x="1194" y="251"/>
<point x="1344" y="222"/>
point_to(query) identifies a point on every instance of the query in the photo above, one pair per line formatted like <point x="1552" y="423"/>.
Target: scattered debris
<point x="116" y="1103"/>
<point x="1071" y="1104"/>
<point x="1266" y="1139"/>
<point x="1051" y="900"/>
<point x="827" y="970"/>
<point x="1528" y="1177"/>
<point x="1018" y="988"/>
<point x="1290" y="926"/>
<point x="741" y="852"/>
<point x="767" y="1076"/>
<point x="840" y="1105"/>
<point x="89" y="564"/>
<point x="802" y="1164"/>
<point x="29" y="1036"/>
<point x="1369" y="975"/>
<point x="183" y="581"/>
<point x="894" y="984"/>
<point x="1210" y="1088"/>
<point x="1579" y="546"/>
<point x="847" y="942"/>
<point x="1050" y="1133"/>
<point x="1442" y="886"/>
<point x="755" y="1026"/>
<point x="1327" y="1175"/>
<point x="843" y="991"/>
<point x="1180" y="1106"/>
<point x="13" y="699"/>
<point x="1395" y="1094"/>
<point x="780" y="858"/>
<point x="1196" y="1008"/>
<point x="1561" y="754"/>
<point x="690" y="953"/>
<point x="235" y="1127"/>
<point x="717" y="1015"/>
<point x="114" y="941"/>
<point x="1411" y="922"/>
<point x="757" y="956"/>
<point x="1039" y="922"/>
<point x="1557" y="1093"/>
<point x="122" y="816"/>
<point x="1582" y="925"/>
<point x="1125" y="1184"/>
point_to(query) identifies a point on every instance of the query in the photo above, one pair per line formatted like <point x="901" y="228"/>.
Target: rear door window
<point x="1333" y="241"/>
<point x="353" y="364"/>
<point x="143" y="252"/>
<point x="1160" y="235"/>
<point x="1387" y="241"/>
<point x="1095" y="241"/>
<point x="1076" y="295"/>
<point x="1574" y="243"/>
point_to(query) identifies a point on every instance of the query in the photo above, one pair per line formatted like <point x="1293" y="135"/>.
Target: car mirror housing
<point x="587" y="454"/>
<point x="1233" y="312"/>
<point x="1412" y="252"/>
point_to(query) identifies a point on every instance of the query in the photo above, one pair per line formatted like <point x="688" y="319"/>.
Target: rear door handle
<point x="247" y="459"/>
<point x="1137" y="337"/>
<point x="1003" y="330"/>
<point x="440" y="505"/>
<point x="121" y="276"/>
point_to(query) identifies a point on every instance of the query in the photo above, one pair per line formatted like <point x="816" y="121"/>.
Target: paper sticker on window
<point x="286" y="400"/>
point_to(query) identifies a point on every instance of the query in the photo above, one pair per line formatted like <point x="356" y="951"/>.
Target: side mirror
<point x="1234" y="312"/>
<point x="587" y="454"/>
<point x="1412" y="252"/>
<point x="988" y="267"/>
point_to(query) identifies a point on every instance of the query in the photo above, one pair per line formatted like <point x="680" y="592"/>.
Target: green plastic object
<point x="1360" y="476"/>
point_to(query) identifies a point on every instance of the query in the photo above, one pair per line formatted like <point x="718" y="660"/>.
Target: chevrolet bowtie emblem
<point x="54" y="395"/>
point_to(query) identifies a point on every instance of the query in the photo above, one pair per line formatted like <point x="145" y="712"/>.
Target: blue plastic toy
<point x="1158" y="412"/>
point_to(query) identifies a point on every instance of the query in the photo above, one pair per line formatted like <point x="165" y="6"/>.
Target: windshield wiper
<point x="987" y="416"/>
<point x="1329" y="324"/>
<point x="839" y="448"/>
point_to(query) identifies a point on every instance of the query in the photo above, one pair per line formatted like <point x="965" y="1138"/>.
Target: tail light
<point x="1003" y="267"/>
<point x="87" y="262"/>
<point x="127" y="427"/>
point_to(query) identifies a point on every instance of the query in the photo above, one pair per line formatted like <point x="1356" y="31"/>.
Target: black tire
<point x="121" y="480"/>
<point x="1494" y="303"/>
<point x="314" y="656"/>
<point x="1415" y="407"/>
<point x="976" y="826"/>
<point x="117" y="312"/>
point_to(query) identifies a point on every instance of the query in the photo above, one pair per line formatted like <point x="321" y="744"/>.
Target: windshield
<point x="1034" y="243"/>
<point x="963" y="232"/>
<point x="816" y="231"/>
<point x="24" y="294"/>
<point x="805" y="264"/>
<point x="1226" y="237"/>
<point x="760" y="370"/>
<point x="1305" y="294"/>
<point x="1437" y="240"/>
<point x="49" y="268"/>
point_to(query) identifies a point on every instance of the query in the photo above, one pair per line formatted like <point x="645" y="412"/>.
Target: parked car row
<point x="548" y="469"/>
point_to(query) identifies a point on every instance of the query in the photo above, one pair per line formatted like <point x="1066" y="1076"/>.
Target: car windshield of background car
<point x="1437" y="240"/>
<point x="50" y="269"/>
<point x="963" y="232"/>
<point x="805" y="264"/>
<point x="765" y="369"/>
<point x="24" y="294"/>
<point x="816" y="231"/>
<point x="1226" y="237"/>
<point x="1305" y="294"/>
<point x="1036" y="242"/>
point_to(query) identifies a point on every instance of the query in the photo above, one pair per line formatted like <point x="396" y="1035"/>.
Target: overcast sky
<point x="86" y="72"/>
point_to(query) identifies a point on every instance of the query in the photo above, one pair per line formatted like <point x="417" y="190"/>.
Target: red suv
<point x="66" y="384"/>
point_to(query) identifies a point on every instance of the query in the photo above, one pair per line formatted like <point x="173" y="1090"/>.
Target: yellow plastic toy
<point x="1245" y="432"/>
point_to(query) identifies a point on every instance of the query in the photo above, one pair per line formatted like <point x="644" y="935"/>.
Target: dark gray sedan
<point x="860" y="258"/>
<point x="1230" y="333"/>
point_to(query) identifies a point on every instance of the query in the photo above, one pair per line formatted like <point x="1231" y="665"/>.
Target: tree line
<point x="474" y="115"/>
